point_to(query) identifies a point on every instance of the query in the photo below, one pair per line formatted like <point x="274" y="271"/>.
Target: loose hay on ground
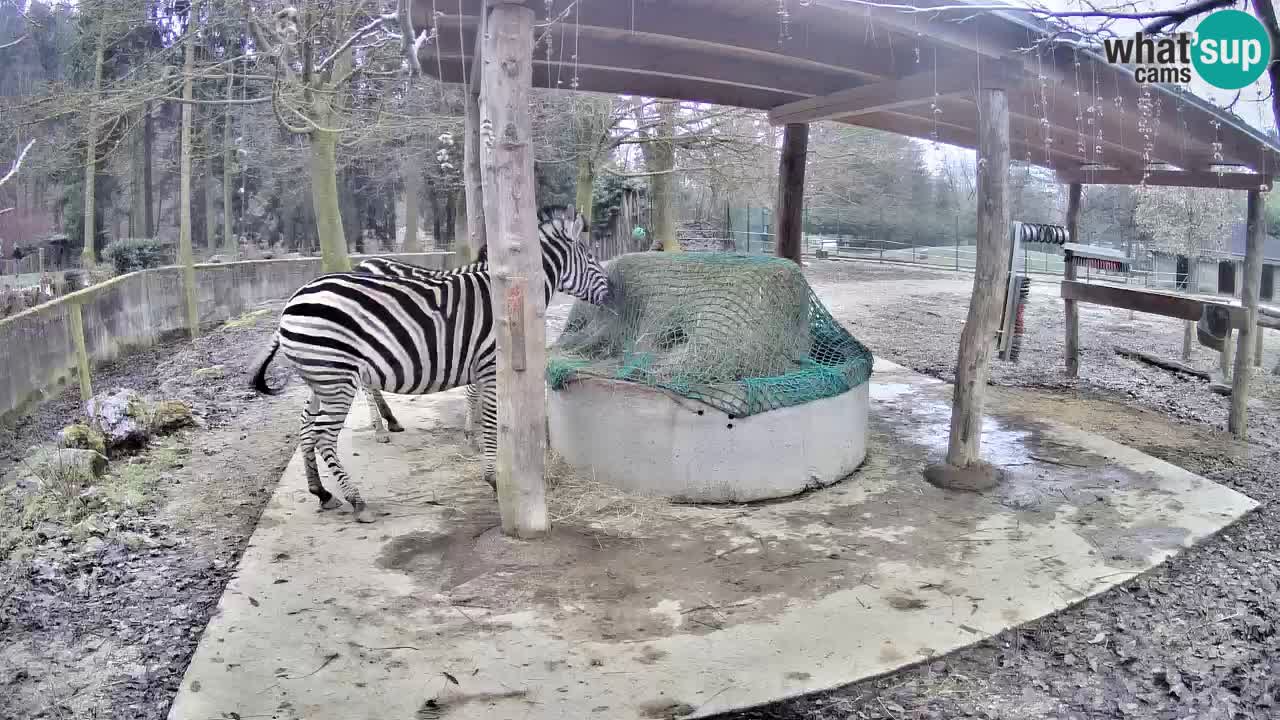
<point x="573" y="497"/>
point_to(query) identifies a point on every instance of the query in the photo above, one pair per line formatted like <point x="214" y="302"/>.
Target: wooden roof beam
<point x="893" y="94"/>
<point x="962" y="136"/>
<point x="1168" y="178"/>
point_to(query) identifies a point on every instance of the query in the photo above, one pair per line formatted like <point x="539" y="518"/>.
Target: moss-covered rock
<point x="82" y="437"/>
<point x="170" y="415"/>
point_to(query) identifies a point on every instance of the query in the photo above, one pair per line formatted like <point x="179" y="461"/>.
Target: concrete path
<point x="431" y="613"/>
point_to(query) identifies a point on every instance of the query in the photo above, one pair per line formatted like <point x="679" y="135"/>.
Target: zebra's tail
<point x="260" y="375"/>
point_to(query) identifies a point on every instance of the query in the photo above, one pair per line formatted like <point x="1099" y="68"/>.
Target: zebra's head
<point x="580" y="274"/>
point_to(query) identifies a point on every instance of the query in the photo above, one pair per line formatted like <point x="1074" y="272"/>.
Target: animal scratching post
<point x="515" y="261"/>
<point x="963" y="469"/>
<point x="789" y="222"/>
<point x="1069" y="273"/>
<point x="1236" y="419"/>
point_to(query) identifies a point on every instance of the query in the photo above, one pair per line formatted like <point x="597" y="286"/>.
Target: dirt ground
<point x="105" y="627"/>
<point x="1195" y="638"/>
<point x="102" y="624"/>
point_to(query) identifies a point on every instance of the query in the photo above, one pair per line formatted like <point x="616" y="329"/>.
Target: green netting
<point x="742" y="333"/>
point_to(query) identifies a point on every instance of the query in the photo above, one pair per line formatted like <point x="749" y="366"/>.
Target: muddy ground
<point x="104" y="626"/>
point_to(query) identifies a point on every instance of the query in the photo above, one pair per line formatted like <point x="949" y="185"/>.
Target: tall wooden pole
<point x="471" y="174"/>
<point x="1255" y="230"/>
<point x="1072" y="352"/>
<point x="963" y="469"/>
<point x="789" y="214"/>
<point x="515" y="261"/>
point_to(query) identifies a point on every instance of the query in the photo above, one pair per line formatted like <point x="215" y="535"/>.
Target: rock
<point x="68" y="466"/>
<point x="83" y="437"/>
<point x="210" y="373"/>
<point x="121" y="417"/>
<point x="169" y="415"/>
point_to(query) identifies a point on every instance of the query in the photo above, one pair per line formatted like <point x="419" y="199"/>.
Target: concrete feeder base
<point x="649" y="442"/>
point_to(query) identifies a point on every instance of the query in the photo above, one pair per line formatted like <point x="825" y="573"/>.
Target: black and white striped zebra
<point x="410" y="336"/>
<point x="379" y="411"/>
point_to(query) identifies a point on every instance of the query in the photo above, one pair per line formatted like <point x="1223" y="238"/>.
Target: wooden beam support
<point x="515" y="261"/>
<point x="1169" y="178"/>
<point x="1072" y="352"/>
<point x="789" y="213"/>
<point x="916" y="89"/>
<point x="1182" y="307"/>
<point x="990" y="274"/>
<point x="1255" y="232"/>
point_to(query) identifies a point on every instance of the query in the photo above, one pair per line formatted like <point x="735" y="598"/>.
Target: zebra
<point x="411" y="336"/>
<point x="378" y="408"/>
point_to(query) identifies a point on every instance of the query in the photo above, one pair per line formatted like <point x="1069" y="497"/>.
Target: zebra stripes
<point x="378" y="408"/>
<point x="412" y="336"/>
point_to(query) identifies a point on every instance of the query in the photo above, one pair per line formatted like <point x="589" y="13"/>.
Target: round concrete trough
<point x="651" y="443"/>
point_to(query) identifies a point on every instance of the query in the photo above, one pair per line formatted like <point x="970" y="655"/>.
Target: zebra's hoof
<point x="332" y="503"/>
<point x="394" y="426"/>
<point x="364" y="515"/>
<point x="382" y="438"/>
<point x="491" y="481"/>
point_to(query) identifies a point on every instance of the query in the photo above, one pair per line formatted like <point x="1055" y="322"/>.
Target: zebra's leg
<point x="385" y="410"/>
<point x="473" y="413"/>
<point x="337" y="404"/>
<point x="307" y="437"/>
<point x="371" y="396"/>
<point x="487" y="390"/>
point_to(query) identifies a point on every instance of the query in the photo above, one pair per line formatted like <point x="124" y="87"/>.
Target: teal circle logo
<point x="1232" y="49"/>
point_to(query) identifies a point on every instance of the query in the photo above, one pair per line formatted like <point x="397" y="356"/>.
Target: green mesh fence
<point x="742" y="333"/>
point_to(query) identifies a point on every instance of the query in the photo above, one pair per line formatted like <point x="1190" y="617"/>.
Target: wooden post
<point x="789" y="214"/>
<point x="82" y="353"/>
<point x="1226" y="358"/>
<point x="1257" y="348"/>
<point x="1072" y="353"/>
<point x="963" y="469"/>
<point x="515" y="259"/>
<point x="1255" y="231"/>
<point x="471" y="175"/>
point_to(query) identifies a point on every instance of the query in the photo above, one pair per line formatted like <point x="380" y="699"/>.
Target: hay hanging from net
<point x="742" y="333"/>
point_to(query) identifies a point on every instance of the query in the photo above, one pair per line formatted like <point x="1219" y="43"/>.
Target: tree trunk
<point x="184" y="185"/>
<point x="471" y="174"/>
<point x="450" y="213"/>
<point x="324" y="199"/>
<point x="518" y="295"/>
<point x="148" y="141"/>
<point x="789" y="212"/>
<point x="585" y="182"/>
<point x="437" y="240"/>
<point x="211" y="191"/>
<point x="88" y="256"/>
<point x="228" y="169"/>
<point x="990" y="274"/>
<point x="412" y="172"/>
<point x="137" y="181"/>
<point x="662" y="184"/>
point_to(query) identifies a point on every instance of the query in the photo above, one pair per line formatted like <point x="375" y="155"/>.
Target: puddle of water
<point x="1001" y="446"/>
<point x="890" y="391"/>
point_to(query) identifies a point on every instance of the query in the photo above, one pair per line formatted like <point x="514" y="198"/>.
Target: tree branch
<point x="17" y="164"/>
<point x="11" y="43"/>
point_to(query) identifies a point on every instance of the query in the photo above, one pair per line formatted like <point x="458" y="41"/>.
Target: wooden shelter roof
<point x="911" y="73"/>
